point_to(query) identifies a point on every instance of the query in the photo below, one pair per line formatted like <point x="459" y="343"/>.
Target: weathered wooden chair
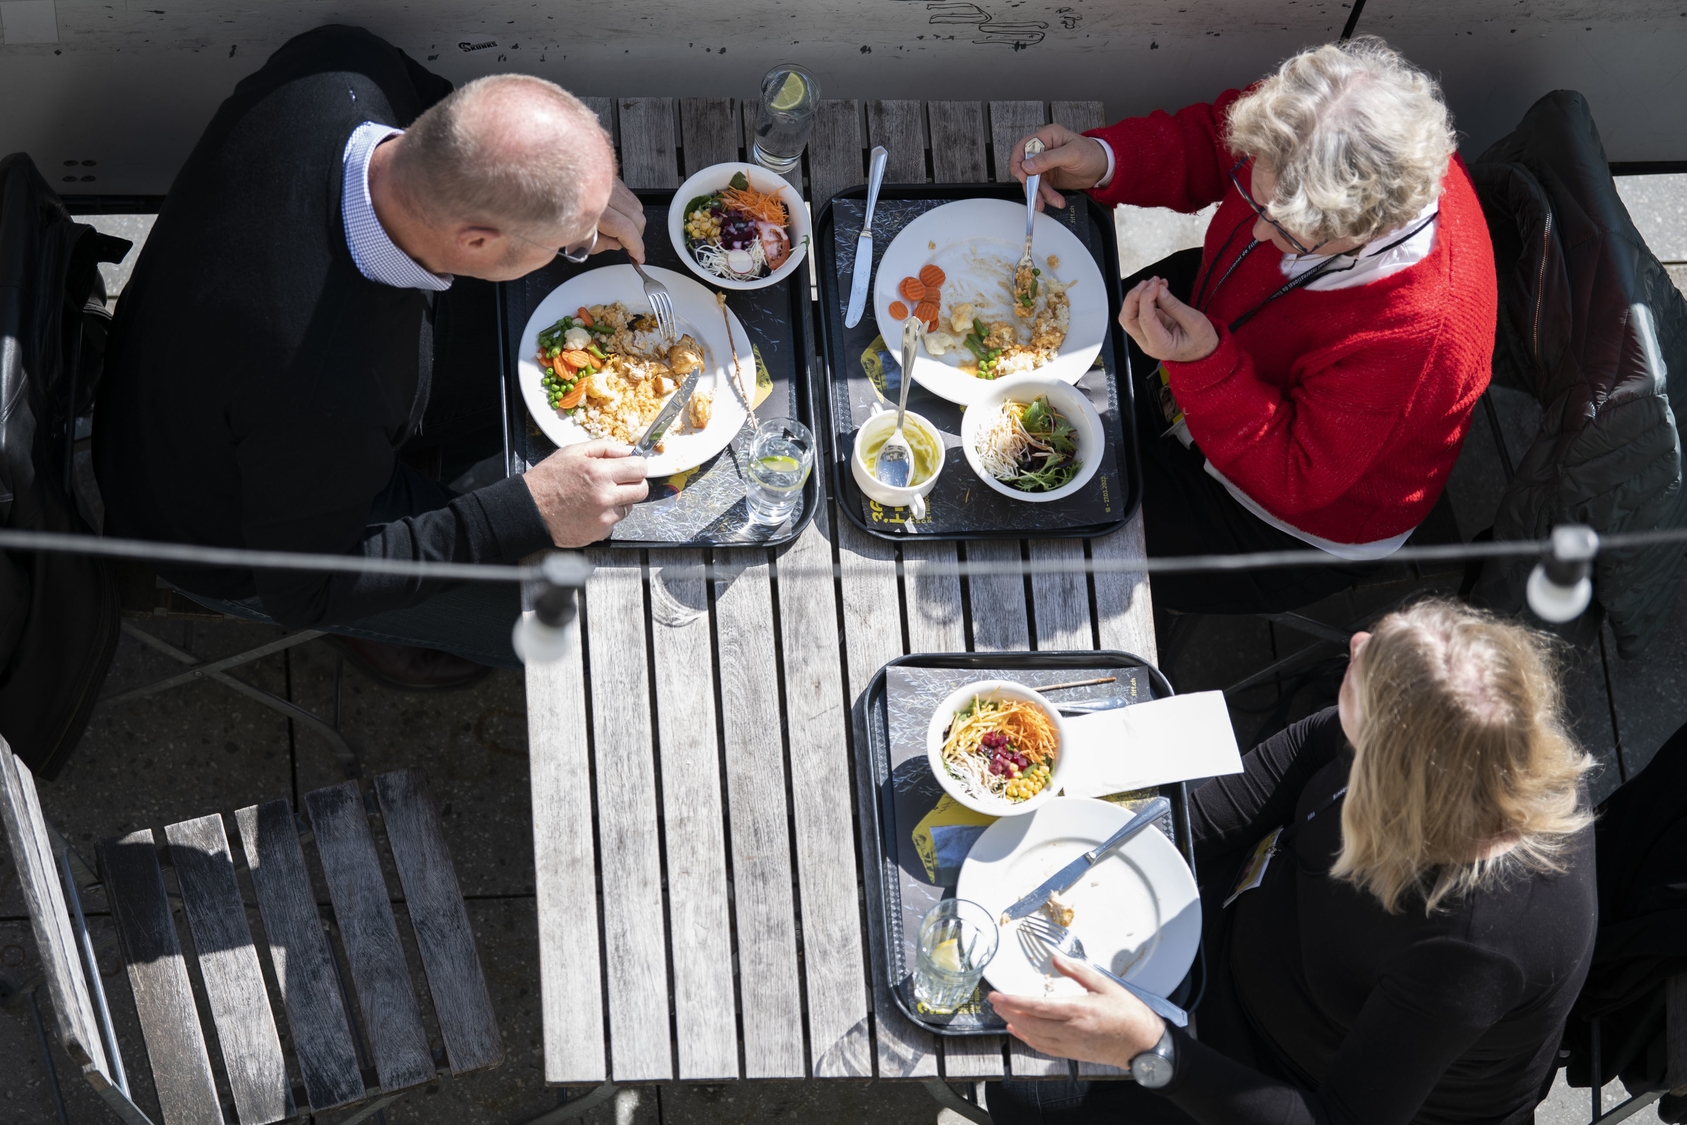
<point x="339" y="1063"/>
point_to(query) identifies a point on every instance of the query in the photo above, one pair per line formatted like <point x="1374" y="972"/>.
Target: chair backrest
<point x="61" y="940"/>
<point x="326" y="1039"/>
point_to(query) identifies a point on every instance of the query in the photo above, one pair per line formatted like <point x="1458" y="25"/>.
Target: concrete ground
<point x="202" y="748"/>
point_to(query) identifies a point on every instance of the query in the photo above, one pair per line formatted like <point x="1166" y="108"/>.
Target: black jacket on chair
<point x="58" y="612"/>
<point x="1591" y="325"/>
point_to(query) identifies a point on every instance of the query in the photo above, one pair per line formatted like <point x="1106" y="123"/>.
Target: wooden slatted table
<point x="698" y="881"/>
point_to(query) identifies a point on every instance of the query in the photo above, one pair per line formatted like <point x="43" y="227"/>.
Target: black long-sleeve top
<point x="1382" y="1018"/>
<point x="258" y="386"/>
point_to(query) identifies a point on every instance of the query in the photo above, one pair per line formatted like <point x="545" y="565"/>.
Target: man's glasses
<point x="1300" y="247"/>
<point x="575" y="252"/>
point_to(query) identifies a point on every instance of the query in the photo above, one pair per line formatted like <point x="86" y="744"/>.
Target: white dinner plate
<point x="977" y="242"/>
<point x="697" y="313"/>
<point x="1137" y="911"/>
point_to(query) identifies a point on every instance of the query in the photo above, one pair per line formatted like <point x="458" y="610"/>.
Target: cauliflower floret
<point x="938" y="343"/>
<point x="960" y="319"/>
<point x="576" y="339"/>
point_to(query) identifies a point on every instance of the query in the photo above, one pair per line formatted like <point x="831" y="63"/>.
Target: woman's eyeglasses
<point x="1300" y="247"/>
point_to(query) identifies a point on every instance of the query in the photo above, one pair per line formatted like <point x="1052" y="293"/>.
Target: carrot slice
<point x="912" y="288"/>
<point x="573" y="398"/>
<point x="585" y="316"/>
<point x="576" y="359"/>
<point x="927" y="311"/>
<point x="562" y="369"/>
<point x="933" y="276"/>
<point x="898" y="311"/>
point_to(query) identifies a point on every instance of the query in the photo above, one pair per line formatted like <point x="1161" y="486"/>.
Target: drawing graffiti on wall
<point x="989" y="29"/>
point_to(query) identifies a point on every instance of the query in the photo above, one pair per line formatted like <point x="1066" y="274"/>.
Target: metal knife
<point x="1075" y="870"/>
<point x="665" y="416"/>
<point x="864" y="244"/>
<point x="1091" y="706"/>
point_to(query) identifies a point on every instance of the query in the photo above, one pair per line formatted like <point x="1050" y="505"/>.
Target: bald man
<point x="298" y="307"/>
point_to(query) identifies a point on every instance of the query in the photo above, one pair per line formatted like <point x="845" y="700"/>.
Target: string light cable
<point x="1559" y="587"/>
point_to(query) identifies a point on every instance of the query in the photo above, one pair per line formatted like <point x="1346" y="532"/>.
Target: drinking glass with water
<point x="781" y="455"/>
<point x="789" y="98"/>
<point x="957" y="939"/>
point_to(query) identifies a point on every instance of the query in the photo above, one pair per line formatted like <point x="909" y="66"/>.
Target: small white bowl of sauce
<point x="927" y="444"/>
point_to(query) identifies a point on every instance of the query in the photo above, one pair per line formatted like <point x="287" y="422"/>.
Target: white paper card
<point x="1153" y="743"/>
<point x="28" y="21"/>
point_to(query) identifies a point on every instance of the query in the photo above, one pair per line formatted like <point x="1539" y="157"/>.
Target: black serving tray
<point x="708" y="511"/>
<point x="962" y="506"/>
<point x="893" y="779"/>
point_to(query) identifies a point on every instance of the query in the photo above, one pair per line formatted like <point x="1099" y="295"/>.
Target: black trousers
<point x="1186" y="511"/>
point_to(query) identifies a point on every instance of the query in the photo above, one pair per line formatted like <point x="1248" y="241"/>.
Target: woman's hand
<point x="1069" y="160"/>
<point x="1164" y="327"/>
<point x="1105" y="1025"/>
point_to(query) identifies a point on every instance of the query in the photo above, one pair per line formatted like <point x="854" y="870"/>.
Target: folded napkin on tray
<point x="1153" y="743"/>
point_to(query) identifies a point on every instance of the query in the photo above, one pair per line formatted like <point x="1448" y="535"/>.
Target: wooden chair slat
<point x="392" y="1021"/>
<point x="973" y="1058"/>
<point x="228" y="962"/>
<point x="835" y="154"/>
<point x="1122" y="597"/>
<point x="834" y="960"/>
<point x="693" y="818"/>
<point x="181" y="1068"/>
<point x="708" y="132"/>
<point x="49" y="917"/>
<point x="899" y="126"/>
<point x="1077" y="116"/>
<point x="755" y="785"/>
<point x="1009" y="121"/>
<point x="647" y="142"/>
<point x="998" y="600"/>
<point x="1061" y="600"/>
<point x="605" y="110"/>
<point x="565" y="870"/>
<point x="957" y="142"/>
<point x="304" y="964"/>
<point x="635" y="956"/>
<point x="873" y="635"/>
<point x="443" y="936"/>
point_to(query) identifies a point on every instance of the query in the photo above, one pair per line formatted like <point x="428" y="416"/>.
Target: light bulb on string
<point x="543" y="636"/>
<point x="1561" y="585"/>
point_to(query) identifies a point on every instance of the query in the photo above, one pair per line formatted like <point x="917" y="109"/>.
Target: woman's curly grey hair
<point x="1357" y="137"/>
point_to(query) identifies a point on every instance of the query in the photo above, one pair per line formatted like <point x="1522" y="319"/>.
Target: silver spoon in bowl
<point x="894" y="464"/>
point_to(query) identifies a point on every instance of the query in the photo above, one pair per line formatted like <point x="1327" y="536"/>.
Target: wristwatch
<point x="1155" y="1067"/>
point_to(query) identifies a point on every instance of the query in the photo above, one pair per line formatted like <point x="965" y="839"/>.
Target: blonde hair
<point x="1357" y="137"/>
<point x="507" y="148"/>
<point x="1461" y="745"/>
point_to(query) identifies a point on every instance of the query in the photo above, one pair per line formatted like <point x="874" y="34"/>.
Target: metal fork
<point x="1032" y="148"/>
<point x="660" y="303"/>
<point x="1040" y="936"/>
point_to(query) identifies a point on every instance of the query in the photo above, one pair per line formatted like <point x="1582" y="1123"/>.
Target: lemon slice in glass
<point x="790" y="93"/>
<point x="779" y="463"/>
<point x="946" y="956"/>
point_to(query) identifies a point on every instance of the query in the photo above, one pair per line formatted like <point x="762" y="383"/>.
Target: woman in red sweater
<point x="1317" y="374"/>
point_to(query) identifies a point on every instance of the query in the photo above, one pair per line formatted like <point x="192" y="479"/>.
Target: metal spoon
<point x="895" y="461"/>
<point x="1032" y="148"/>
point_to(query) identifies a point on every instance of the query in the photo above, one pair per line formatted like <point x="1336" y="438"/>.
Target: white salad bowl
<point x="713" y="179"/>
<point x="993" y="689"/>
<point x="1070" y="402"/>
<point x="913" y="496"/>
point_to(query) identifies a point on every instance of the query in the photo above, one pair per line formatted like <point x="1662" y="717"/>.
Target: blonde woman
<point x="1316" y="374"/>
<point x="1420" y="930"/>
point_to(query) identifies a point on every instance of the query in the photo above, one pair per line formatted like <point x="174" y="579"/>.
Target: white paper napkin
<point x="1153" y="743"/>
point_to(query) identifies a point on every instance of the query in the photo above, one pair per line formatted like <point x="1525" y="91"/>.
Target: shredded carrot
<point x="912" y="288"/>
<point x="898" y="311"/>
<point x="766" y="206"/>
<point x="933" y="276"/>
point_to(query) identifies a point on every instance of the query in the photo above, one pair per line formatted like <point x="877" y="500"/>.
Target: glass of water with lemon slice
<point x="781" y="455"/>
<point x="957" y="939"/>
<point x="789" y="98"/>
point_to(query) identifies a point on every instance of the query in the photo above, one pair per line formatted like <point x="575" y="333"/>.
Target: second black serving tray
<point x="898" y="794"/>
<point x="861" y="371"/>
